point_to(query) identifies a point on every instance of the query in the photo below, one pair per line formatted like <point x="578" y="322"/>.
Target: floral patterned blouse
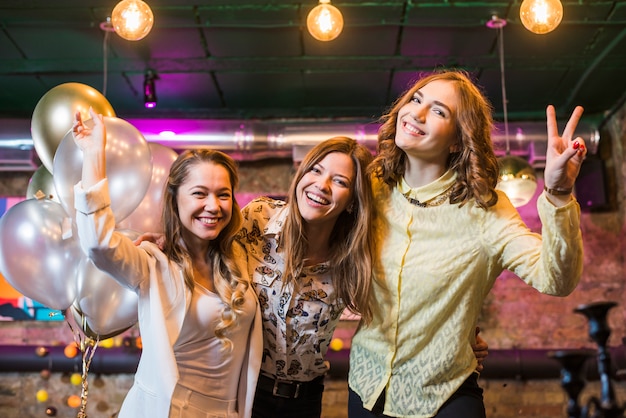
<point x="297" y="325"/>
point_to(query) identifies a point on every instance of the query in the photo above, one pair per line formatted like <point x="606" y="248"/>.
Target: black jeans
<point x="267" y="405"/>
<point x="466" y="402"/>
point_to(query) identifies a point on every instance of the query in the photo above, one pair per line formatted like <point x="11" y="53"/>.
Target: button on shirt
<point x="297" y="326"/>
<point x="435" y="267"/>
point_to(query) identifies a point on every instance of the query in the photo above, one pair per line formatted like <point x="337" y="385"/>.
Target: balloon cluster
<point x="39" y="251"/>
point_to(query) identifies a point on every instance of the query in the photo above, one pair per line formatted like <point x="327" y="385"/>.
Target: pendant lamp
<point x="541" y="16"/>
<point x="516" y="176"/>
<point x="132" y="19"/>
<point x="325" y="21"/>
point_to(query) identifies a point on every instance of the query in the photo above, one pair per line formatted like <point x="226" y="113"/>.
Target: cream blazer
<point x="163" y="302"/>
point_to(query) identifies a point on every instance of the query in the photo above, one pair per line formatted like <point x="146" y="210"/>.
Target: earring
<point x="350" y="208"/>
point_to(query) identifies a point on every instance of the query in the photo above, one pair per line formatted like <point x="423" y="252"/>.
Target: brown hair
<point x="228" y="280"/>
<point x="351" y="242"/>
<point x="475" y="163"/>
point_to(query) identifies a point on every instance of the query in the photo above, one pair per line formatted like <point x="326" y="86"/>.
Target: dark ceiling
<point x="254" y="59"/>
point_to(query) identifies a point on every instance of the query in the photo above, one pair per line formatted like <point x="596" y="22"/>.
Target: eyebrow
<point x="319" y="163"/>
<point x="437" y="102"/>
<point x="205" y="188"/>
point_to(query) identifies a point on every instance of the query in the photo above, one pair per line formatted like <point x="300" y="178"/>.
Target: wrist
<point x="558" y="192"/>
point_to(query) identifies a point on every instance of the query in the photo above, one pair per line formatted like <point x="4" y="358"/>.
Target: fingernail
<point x="576" y="145"/>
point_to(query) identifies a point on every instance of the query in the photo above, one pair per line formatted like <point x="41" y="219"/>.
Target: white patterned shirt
<point x="297" y="326"/>
<point x="436" y="266"/>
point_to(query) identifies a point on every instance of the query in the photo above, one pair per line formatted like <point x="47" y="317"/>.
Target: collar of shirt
<point x="431" y="190"/>
<point x="275" y="224"/>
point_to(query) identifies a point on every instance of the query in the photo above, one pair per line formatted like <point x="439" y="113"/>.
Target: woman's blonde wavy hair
<point x="227" y="278"/>
<point x="475" y="162"/>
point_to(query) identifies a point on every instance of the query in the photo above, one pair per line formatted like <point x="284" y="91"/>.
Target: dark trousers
<point x="466" y="402"/>
<point x="267" y="405"/>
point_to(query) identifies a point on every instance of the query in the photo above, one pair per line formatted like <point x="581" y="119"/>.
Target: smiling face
<point x="426" y="125"/>
<point x="325" y="191"/>
<point x="205" y="202"/>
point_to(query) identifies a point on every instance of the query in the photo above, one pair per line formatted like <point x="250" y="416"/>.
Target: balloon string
<point x="87" y="347"/>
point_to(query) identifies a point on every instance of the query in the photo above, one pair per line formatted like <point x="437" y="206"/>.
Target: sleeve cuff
<point x="92" y="200"/>
<point x="544" y="201"/>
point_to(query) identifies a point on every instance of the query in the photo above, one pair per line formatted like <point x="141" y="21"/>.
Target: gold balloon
<point x="54" y="114"/>
<point x="41" y="185"/>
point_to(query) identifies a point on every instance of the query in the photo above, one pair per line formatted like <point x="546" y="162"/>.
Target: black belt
<point x="290" y="389"/>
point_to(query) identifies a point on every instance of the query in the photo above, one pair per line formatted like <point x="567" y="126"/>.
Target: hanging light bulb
<point x="541" y="16"/>
<point x="132" y="19"/>
<point x="516" y="176"/>
<point x="325" y="21"/>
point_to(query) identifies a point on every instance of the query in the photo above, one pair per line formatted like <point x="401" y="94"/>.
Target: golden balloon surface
<point x="41" y="185"/>
<point x="54" y="114"/>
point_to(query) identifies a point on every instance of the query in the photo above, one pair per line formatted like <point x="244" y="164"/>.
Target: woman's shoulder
<point x="263" y="207"/>
<point x="266" y="201"/>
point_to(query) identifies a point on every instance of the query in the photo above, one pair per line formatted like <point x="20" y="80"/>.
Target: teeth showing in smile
<point x="208" y="221"/>
<point x="413" y="129"/>
<point x="317" y="199"/>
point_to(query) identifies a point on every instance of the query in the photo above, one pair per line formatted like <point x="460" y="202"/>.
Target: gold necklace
<point x="435" y="201"/>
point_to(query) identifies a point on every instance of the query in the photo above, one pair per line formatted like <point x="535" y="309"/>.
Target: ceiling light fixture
<point x="107" y="28"/>
<point x="541" y="16"/>
<point x="325" y="21"/>
<point x="516" y="176"/>
<point x="149" y="89"/>
<point x="132" y="19"/>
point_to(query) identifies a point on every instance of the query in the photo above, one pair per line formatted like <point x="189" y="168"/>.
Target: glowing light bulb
<point x="132" y="19"/>
<point x="541" y="16"/>
<point x="325" y="21"/>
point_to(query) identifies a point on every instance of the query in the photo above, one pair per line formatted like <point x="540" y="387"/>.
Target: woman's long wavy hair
<point x="227" y="278"/>
<point x="475" y="162"/>
<point x="351" y="241"/>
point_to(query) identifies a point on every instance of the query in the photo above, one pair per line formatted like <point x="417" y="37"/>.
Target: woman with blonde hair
<point x="198" y="314"/>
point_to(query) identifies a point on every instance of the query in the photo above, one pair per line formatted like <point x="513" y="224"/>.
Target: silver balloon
<point x="84" y="323"/>
<point x="41" y="185"/>
<point x="147" y="216"/>
<point x="39" y="252"/>
<point x="128" y="166"/>
<point x="106" y="306"/>
<point x="54" y="113"/>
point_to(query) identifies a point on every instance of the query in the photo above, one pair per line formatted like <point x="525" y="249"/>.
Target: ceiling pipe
<point x="249" y="140"/>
